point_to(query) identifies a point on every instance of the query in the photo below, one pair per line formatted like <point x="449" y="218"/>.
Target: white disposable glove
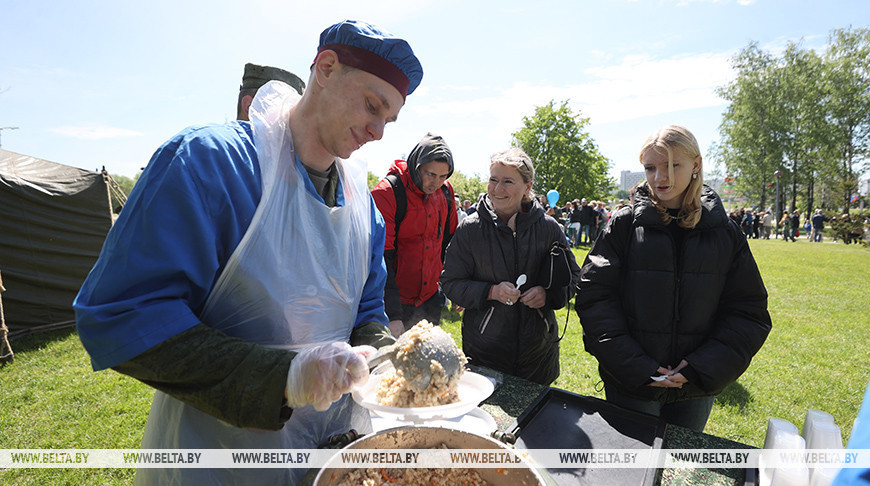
<point x="320" y="375"/>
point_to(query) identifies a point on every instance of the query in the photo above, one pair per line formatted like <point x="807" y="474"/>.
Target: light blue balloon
<point x="552" y="197"/>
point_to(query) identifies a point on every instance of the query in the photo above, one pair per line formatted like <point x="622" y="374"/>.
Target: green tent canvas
<point x="53" y="221"/>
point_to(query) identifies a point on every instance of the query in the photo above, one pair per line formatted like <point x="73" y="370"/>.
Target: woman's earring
<point x="694" y="175"/>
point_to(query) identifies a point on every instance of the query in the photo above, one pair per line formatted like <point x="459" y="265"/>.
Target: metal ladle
<point x="413" y="354"/>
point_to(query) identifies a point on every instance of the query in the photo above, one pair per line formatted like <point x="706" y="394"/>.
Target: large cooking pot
<point x="417" y="437"/>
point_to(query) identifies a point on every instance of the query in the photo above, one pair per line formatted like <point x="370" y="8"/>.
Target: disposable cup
<point x="790" y="476"/>
<point x="823" y="476"/>
<point x="781" y="434"/>
<point x="777" y="430"/>
<point x="812" y="418"/>
<point x="824" y="435"/>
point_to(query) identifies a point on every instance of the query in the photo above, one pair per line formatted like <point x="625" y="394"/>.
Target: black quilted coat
<point x="640" y="308"/>
<point x="484" y="252"/>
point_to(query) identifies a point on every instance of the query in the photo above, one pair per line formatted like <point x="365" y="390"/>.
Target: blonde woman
<point x="670" y="298"/>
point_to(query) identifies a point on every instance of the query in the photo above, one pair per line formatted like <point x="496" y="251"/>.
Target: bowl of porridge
<point x="470" y="389"/>
<point x="420" y="437"/>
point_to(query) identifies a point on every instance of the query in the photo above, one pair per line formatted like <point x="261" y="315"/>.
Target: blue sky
<point x="104" y="83"/>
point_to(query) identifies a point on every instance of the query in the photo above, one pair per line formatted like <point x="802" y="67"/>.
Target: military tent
<point x="53" y="221"/>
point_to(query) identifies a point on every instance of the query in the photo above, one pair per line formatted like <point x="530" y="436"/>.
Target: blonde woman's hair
<point x="670" y="138"/>
<point x="516" y="158"/>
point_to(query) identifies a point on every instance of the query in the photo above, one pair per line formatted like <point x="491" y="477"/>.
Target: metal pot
<point x="416" y="437"/>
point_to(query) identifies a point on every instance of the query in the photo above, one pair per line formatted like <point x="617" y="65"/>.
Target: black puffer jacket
<point x="484" y="252"/>
<point x="641" y="308"/>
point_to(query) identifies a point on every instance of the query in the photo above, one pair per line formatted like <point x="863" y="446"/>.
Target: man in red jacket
<point x="417" y="204"/>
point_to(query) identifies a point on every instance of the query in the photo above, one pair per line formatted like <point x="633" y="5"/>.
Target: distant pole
<point x="6" y="128"/>
<point x="729" y="184"/>
<point x="778" y="174"/>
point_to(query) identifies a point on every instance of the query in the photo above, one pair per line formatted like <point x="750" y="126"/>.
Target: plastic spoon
<point x="521" y="280"/>
<point x="413" y="355"/>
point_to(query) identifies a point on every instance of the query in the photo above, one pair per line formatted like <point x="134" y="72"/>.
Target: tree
<point x="125" y="184"/>
<point x="566" y="158"/>
<point x="372" y="181"/>
<point x="804" y="141"/>
<point x="848" y="83"/>
<point x="750" y="147"/>
<point x="467" y="187"/>
<point x="463" y="186"/>
<point x="805" y="115"/>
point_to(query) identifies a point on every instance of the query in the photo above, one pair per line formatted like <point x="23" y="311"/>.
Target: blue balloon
<point x="553" y="197"/>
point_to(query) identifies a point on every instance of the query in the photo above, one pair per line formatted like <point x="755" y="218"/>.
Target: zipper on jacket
<point x="676" y="318"/>
<point x="516" y="257"/>
<point x="516" y="275"/>
<point x="486" y="319"/>
<point x="678" y="278"/>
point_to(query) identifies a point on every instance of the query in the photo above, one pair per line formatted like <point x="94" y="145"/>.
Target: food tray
<point x="559" y="419"/>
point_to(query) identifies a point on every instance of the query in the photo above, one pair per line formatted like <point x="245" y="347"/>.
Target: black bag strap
<point x="567" y="315"/>
<point x="446" y="235"/>
<point x="556" y="247"/>
<point x="401" y="203"/>
<point x="402" y="208"/>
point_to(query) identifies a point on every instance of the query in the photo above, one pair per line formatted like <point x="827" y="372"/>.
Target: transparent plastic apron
<point x="295" y="280"/>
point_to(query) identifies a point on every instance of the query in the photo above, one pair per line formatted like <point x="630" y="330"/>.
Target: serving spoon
<point x="413" y="354"/>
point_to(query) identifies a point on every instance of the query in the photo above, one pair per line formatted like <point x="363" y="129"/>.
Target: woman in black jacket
<point x="670" y="298"/>
<point x="506" y="328"/>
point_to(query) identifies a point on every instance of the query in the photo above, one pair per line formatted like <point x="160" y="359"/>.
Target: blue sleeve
<point x="371" y="306"/>
<point x="183" y="219"/>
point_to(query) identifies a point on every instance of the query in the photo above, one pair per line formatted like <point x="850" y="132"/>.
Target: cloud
<point x="642" y="86"/>
<point x="477" y="120"/>
<point x="94" y="132"/>
<point x="635" y="87"/>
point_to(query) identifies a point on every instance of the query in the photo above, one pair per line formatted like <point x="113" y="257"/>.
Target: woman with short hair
<point x="507" y="327"/>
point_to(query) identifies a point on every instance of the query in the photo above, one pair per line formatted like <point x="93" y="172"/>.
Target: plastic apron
<point x="295" y="280"/>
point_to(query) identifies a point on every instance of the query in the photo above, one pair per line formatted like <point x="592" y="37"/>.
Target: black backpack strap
<point x="401" y="203"/>
<point x="446" y="235"/>
<point x="402" y="208"/>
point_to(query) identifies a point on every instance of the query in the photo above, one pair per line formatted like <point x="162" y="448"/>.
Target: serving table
<point x="513" y="396"/>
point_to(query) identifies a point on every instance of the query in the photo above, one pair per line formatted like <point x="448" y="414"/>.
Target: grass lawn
<point x="817" y="356"/>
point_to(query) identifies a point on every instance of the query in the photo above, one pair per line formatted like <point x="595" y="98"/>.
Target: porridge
<point x="395" y="391"/>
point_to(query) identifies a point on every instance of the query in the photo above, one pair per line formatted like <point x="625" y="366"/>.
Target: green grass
<point x="817" y="356"/>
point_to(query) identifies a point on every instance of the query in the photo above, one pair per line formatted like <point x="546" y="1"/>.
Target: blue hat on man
<point x="375" y="51"/>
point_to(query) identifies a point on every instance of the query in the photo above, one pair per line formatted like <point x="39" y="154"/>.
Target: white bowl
<point x="473" y="389"/>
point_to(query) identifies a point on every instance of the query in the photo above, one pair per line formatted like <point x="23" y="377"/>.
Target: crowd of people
<point x="581" y="220"/>
<point x="762" y="224"/>
<point x="252" y="271"/>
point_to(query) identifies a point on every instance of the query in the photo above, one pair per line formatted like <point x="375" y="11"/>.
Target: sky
<point x="96" y="84"/>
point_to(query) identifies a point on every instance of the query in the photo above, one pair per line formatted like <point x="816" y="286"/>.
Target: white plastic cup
<point x="812" y="418"/>
<point x="791" y="476"/>
<point x="781" y="434"/>
<point x="774" y="426"/>
<point x="824" y="435"/>
<point x="823" y="476"/>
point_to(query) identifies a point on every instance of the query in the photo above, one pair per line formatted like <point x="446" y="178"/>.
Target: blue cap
<point x="367" y="47"/>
